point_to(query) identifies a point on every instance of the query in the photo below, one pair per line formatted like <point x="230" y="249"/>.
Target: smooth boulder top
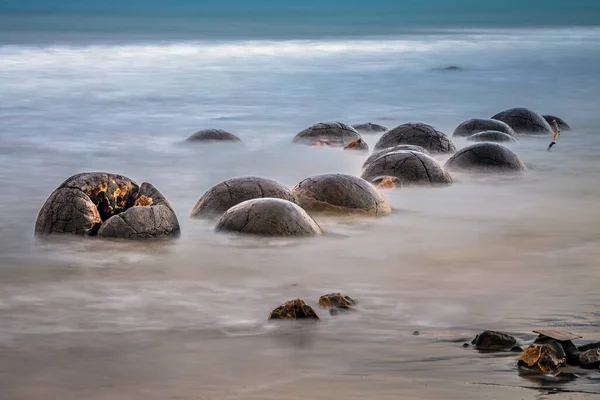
<point x="411" y="167"/>
<point x="231" y="192"/>
<point x="563" y="126"/>
<point x="491" y="136"/>
<point x="376" y="154"/>
<point x="268" y="217"/>
<point x="417" y="134"/>
<point x="213" y="135"/>
<point x="485" y="157"/>
<point x="369" y="127"/>
<point x="475" y="125"/>
<point x="492" y="340"/>
<point x="334" y="134"/>
<point x="524" y="120"/>
<point x="340" y="194"/>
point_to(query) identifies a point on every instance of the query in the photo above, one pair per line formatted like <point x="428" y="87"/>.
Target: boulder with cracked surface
<point x="486" y="157"/>
<point x="418" y="134"/>
<point x="378" y="153"/>
<point x="562" y="124"/>
<point x="525" y="121"/>
<point x="369" y="127"/>
<point x="410" y="167"/>
<point x="212" y="136"/>
<point x="491" y="136"/>
<point x="475" y="125"/>
<point x="332" y="134"/>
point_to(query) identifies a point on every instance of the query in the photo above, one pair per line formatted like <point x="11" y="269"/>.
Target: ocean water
<point x="109" y="87"/>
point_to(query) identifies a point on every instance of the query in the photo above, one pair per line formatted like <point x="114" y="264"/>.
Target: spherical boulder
<point x="212" y="136"/>
<point x="523" y="120"/>
<point x="560" y="122"/>
<point x="485" y="157"/>
<point x="417" y="134"/>
<point x="410" y="167"/>
<point x="369" y="127"/>
<point x="333" y="134"/>
<point x="107" y="205"/>
<point x="340" y="194"/>
<point x="475" y="125"/>
<point x="268" y="217"/>
<point x="293" y="310"/>
<point x="379" y="153"/>
<point x="231" y="192"/>
<point x="491" y="136"/>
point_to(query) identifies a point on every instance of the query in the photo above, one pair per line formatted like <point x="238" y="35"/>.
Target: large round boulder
<point x="417" y="134"/>
<point x="107" y="205"/>
<point x="369" y="127"/>
<point x="379" y="153"/>
<point x="410" y="167"/>
<point x="475" y="125"/>
<point x="213" y="135"/>
<point x="485" y="157"/>
<point x="268" y="217"/>
<point x="340" y="194"/>
<point x="491" y="136"/>
<point x="523" y="120"/>
<point x="563" y="126"/>
<point x="231" y="192"/>
<point x="334" y="134"/>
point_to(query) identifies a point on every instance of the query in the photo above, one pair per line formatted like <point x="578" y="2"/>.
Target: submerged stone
<point x="379" y="153"/>
<point x="417" y="134"/>
<point x="524" y="120"/>
<point x="476" y="125"/>
<point x="491" y="136"/>
<point x="213" y="135"/>
<point x="492" y="340"/>
<point x="332" y="134"/>
<point x="559" y="121"/>
<point x="485" y="157"/>
<point x="547" y="357"/>
<point x="410" y="167"/>
<point x="369" y="127"/>
<point x="590" y="359"/>
<point x="293" y="310"/>
<point x="337" y="303"/>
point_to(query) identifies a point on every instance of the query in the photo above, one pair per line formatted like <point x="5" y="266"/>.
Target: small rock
<point x="417" y="333"/>
<point x="213" y="135"/>
<point x="547" y="357"/>
<point x="336" y="303"/>
<point x="492" y="340"/>
<point x="590" y="359"/>
<point x="369" y="127"/>
<point x="293" y="310"/>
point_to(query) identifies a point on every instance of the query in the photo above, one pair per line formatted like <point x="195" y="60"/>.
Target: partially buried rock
<point x="357" y="145"/>
<point x="590" y="359"/>
<point x="268" y="217"/>
<point x="491" y="136"/>
<point x="492" y="340"/>
<point x="293" y="310"/>
<point x="476" y="125"/>
<point x="544" y="358"/>
<point x="369" y="127"/>
<point x="212" y="136"/>
<point x="336" y="303"/>
<point x="485" y="157"/>
<point x="333" y="134"/>
<point x="109" y="205"/>
<point x="564" y="339"/>
<point x="524" y="120"/>
<point x="386" y="182"/>
<point x="410" y="167"/>
<point x="231" y="192"/>
<point x="341" y="194"/>
<point x="417" y="134"/>
<point x="379" y="153"/>
<point x="559" y="121"/>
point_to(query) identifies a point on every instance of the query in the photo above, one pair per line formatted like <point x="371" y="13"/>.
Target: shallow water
<point x="187" y="319"/>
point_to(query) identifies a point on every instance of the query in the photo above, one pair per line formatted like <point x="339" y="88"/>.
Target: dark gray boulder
<point x="410" y="167"/>
<point x="590" y="359"/>
<point x="485" y="157"/>
<point x="369" y="127"/>
<point x="340" y="194"/>
<point x="524" y="120"/>
<point x="417" y="134"/>
<point x="376" y="154"/>
<point x="562" y="125"/>
<point x="268" y="217"/>
<point x="231" y="192"/>
<point x="491" y="136"/>
<point x="492" y="340"/>
<point x="213" y="135"/>
<point x="334" y="134"/>
<point x="475" y="125"/>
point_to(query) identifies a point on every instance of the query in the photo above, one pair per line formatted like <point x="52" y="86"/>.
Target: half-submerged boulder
<point x="524" y="120"/>
<point x="562" y="125"/>
<point x="417" y="134"/>
<point x="231" y="192"/>
<point x="293" y="310"/>
<point x="337" y="303"/>
<point x="485" y="157"/>
<point x="268" y="217"/>
<point x="491" y="136"/>
<point x="369" y="127"/>
<point x="410" y="167"/>
<point x="212" y="136"/>
<point x="340" y="194"/>
<point x="476" y="125"/>
<point x="107" y="205"/>
<point x="378" y="153"/>
<point x="333" y="134"/>
<point x="492" y="340"/>
<point x="590" y="359"/>
<point x="546" y="357"/>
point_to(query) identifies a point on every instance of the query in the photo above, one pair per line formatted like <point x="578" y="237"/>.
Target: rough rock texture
<point x="523" y="120"/>
<point x="590" y="359"/>
<point x="417" y="134"/>
<point x="213" y="135"/>
<point x="410" y="167"/>
<point x="231" y="192"/>
<point x="491" y="136"/>
<point x="369" y="127"/>
<point x="86" y="202"/>
<point x="341" y="194"/>
<point x="544" y="358"/>
<point x="357" y="145"/>
<point x="336" y="303"/>
<point x="571" y="351"/>
<point x="475" y="125"/>
<point x="563" y="126"/>
<point x="292" y="310"/>
<point x="268" y="217"/>
<point x="334" y="134"/>
<point x="485" y="157"/>
<point x="492" y="340"/>
<point x="386" y="182"/>
<point x="379" y="153"/>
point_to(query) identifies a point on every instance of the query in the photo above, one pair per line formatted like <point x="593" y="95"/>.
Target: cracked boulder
<point x="523" y="120"/>
<point x="491" y="136"/>
<point x="293" y="310"/>
<point x="476" y="125"/>
<point x="369" y="127"/>
<point x="485" y="157"/>
<point x="410" y="167"/>
<point x="337" y="303"/>
<point x="492" y="340"/>
<point x="546" y="357"/>
<point x="332" y="134"/>
<point x="418" y="134"/>
<point x="268" y="217"/>
<point x="212" y="136"/>
<point x="231" y="192"/>
<point x="106" y="205"/>
<point x="340" y="194"/>
<point x="562" y="125"/>
<point x="379" y="153"/>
